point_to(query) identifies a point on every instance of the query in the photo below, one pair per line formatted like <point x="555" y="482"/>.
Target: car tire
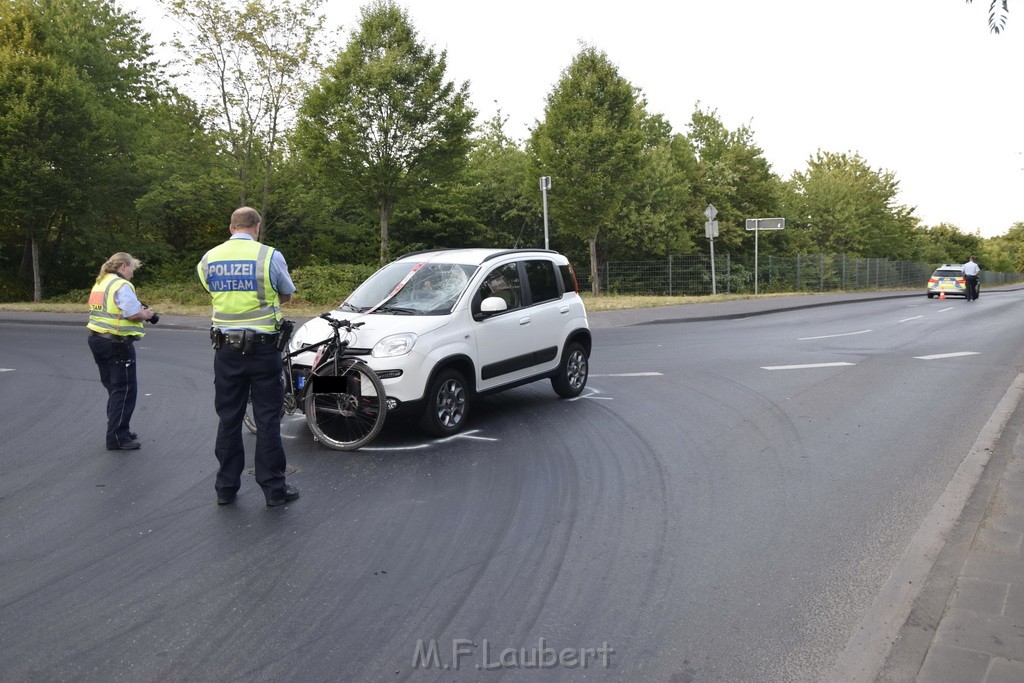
<point x="930" y="295"/>
<point x="573" y="371"/>
<point x="447" y="402"/>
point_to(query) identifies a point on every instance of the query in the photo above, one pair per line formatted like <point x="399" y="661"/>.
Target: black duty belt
<point x="120" y="339"/>
<point x="236" y="336"/>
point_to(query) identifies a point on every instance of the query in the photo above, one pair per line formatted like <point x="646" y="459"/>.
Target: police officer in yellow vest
<point x="248" y="282"/>
<point x="115" y="322"/>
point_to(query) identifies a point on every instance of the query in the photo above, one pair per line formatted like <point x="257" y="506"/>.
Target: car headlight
<point x="395" y="345"/>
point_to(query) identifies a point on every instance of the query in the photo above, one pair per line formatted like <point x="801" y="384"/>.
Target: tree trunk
<point x="595" y="278"/>
<point x="37" y="281"/>
<point x="386" y="209"/>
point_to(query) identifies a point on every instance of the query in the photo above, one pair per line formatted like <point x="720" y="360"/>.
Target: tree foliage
<point x="73" y="79"/>
<point x="591" y="143"/>
<point x="841" y="205"/>
<point x="255" y="58"/>
<point x="998" y="13"/>
<point x="383" y="123"/>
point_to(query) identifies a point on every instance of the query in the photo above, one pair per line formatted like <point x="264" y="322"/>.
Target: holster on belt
<point x="285" y="329"/>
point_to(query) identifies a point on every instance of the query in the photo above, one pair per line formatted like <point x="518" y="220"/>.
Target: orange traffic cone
<point x="942" y="295"/>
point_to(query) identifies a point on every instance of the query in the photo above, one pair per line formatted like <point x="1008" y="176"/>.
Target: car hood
<point x="376" y="326"/>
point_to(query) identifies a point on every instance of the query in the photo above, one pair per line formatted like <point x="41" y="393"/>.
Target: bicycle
<point x="343" y="399"/>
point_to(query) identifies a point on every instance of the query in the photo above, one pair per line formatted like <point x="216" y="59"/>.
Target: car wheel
<point x="930" y="295"/>
<point x="447" y="404"/>
<point x="573" y="372"/>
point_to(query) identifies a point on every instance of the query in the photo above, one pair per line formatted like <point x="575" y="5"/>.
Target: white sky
<point x="916" y="87"/>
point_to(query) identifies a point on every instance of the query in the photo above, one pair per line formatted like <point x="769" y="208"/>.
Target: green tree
<point x="840" y="205"/>
<point x="998" y="13"/>
<point x="383" y="124"/>
<point x="731" y="173"/>
<point x="255" y="58"/>
<point x="74" y="80"/>
<point x="591" y="142"/>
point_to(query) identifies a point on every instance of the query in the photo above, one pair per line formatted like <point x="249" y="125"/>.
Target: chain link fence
<point x="691" y="275"/>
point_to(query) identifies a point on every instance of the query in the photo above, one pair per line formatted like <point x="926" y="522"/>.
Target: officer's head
<point x="246" y="219"/>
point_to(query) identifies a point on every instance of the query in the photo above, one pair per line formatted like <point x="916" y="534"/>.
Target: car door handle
<point x="525" y="320"/>
<point x="563" y="309"/>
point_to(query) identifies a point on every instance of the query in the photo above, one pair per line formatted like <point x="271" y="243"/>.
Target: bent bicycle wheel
<point x="345" y="407"/>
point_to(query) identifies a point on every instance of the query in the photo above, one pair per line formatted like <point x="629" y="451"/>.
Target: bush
<point x="327" y="286"/>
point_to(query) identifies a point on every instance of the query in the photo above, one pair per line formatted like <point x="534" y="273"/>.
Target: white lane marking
<point x="829" y="336"/>
<point x="943" y="310"/>
<point x="948" y="355"/>
<point x="914" y="318"/>
<point x="6" y="369"/>
<point x="801" y="367"/>
<point x="631" y="374"/>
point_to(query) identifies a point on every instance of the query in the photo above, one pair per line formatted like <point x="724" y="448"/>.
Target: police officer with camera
<point x="248" y="282"/>
<point x="115" y="323"/>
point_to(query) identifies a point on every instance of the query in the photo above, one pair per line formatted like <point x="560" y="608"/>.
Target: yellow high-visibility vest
<point x="237" y="276"/>
<point x="104" y="315"/>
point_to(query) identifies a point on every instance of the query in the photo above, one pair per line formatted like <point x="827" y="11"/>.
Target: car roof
<point x="472" y="256"/>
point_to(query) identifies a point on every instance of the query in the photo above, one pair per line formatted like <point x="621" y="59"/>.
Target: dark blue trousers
<point x="116" y="360"/>
<point x="235" y="377"/>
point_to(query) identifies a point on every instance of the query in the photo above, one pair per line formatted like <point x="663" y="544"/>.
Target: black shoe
<point x="290" y="494"/>
<point x="133" y="436"/>
<point x="225" y="499"/>
<point x="129" y="446"/>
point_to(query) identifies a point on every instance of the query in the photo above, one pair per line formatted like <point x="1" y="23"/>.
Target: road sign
<point x="765" y="223"/>
<point x="711" y="212"/>
<point x="711" y="229"/>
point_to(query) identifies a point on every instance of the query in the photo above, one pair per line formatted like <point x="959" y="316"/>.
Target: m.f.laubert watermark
<point x="484" y="656"/>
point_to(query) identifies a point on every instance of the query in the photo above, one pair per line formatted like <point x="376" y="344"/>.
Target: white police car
<point x="947" y="279"/>
<point x="443" y="327"/>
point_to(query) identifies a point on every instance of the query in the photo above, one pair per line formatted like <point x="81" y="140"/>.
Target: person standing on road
<point x="248" y="282"/>
<point x="971" y="272"/>
<point x="115" y="323"/>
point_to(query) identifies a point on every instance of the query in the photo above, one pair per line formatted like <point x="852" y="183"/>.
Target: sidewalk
<point x="967" y="624"/>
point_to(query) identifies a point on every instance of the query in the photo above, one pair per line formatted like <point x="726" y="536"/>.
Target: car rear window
<point x="948" y="273"/>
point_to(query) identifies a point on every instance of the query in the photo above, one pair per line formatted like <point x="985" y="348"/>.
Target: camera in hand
<point x="154" y="319"/>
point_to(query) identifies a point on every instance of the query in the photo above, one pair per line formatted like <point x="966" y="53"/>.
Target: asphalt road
<point x="705" y="511"/>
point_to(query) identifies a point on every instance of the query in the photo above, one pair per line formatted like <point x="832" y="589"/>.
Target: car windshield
<point x="432" y="288"/>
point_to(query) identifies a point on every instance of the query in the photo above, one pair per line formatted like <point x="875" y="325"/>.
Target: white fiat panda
<point x="443" y="327"/>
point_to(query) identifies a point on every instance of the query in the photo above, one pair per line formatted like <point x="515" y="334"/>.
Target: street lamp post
<point x="545" y="185"/>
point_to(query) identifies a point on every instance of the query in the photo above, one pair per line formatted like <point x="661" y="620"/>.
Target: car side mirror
<point x="492" y="305"/>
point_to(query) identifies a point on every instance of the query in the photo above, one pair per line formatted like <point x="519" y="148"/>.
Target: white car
<point x="443" y="327"/>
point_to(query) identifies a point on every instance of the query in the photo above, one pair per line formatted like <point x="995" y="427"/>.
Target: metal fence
<point x="691" y="275"/>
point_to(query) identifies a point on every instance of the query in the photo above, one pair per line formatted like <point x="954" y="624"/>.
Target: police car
<point x="948" y="278"/>
<point x="441" y="328"/>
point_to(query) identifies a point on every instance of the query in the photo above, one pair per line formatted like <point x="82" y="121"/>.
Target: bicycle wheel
<point x="345" y="410"/>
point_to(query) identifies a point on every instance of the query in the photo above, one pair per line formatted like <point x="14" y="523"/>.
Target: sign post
<point x="758" y="224"/>
<point x="545" y="185"/>
<point x="711" y="232"/>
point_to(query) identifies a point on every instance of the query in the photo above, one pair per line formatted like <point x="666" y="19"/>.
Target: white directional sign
<point x="711" y="229"/>
<point x="766" y="223"/>
<point x="711" y="212"/>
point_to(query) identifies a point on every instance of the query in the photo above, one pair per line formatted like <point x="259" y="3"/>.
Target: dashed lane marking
<point x="631" y="374"/>
<point x="913" y="318"/>
<point x="936" y="356"/>
<point x="802" y="367"/>
<point x="829" y="336"/>
<point x="6" y="369"/>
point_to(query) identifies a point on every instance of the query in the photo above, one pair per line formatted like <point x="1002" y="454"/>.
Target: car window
<point x="540" y="274"/>
<point x="948" y="273"/>
<point x="503" y="282"/>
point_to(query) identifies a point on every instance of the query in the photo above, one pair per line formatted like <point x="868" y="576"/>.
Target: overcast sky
<point x="916" y="87"/>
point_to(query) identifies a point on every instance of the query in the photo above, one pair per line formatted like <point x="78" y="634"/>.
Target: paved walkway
<point x="967" y="625"/>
